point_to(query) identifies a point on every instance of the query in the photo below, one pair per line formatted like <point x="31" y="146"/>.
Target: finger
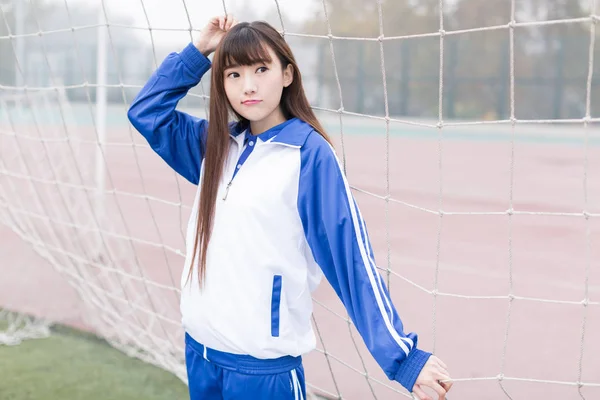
<point x="438" y="389"/>
<point x="214" y="21"/>
<point x="421" y="395"/>
<point x="442" y="376"/>
<point x="225" y="22"/>
<point x="229" y="24"/>
<point x="221" y="23"/>
<point x="443" y="371"/>
<point x="446" y="385"/>
<point x="444" y="380"/>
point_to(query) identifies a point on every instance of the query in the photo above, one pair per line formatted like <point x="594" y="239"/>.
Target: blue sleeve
<point x="337" y="236"/>
<point x="178" y="138"/>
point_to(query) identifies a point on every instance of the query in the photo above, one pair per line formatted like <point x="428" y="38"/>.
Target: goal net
<point x="469" y="132"/>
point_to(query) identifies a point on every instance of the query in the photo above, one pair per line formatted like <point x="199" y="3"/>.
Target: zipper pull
<point x="227" y="191"/>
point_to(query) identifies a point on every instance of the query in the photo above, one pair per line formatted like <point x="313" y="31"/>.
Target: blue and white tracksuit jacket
<point x="287" y="217"/>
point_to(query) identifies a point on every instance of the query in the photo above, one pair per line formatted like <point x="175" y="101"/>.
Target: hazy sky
<point x="172" y="14"/>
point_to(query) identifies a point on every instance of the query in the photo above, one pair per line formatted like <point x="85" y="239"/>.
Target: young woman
<point x="273" y="212"/>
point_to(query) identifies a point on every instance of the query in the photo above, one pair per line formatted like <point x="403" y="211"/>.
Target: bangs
<point x="243" y="47"/>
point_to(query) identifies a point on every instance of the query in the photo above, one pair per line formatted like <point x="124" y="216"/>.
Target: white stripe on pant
<point x="297" y="389"/>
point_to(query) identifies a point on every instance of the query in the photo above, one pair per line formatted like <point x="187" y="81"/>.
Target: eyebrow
<point x="231" y="66"/>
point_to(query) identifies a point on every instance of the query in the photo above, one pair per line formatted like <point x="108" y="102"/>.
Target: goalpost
<point x="81" y="187"/>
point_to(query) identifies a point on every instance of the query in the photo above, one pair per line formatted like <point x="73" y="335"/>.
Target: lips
<point x="250" y="102"/>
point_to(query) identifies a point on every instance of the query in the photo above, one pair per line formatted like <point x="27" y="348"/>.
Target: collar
<point x="292" y="132"/>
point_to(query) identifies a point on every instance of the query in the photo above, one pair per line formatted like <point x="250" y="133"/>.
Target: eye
<point x="233" y="75"/>
<point x="262" y="69"/>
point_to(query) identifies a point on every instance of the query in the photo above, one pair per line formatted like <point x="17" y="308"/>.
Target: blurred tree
<point x="550" y="67"/>
<point x="559" y="60"/>
<point x="477" y="64"/>
<point x="359" y="62"/>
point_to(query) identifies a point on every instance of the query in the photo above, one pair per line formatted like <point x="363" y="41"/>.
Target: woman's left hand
<point x="435" y="376"/>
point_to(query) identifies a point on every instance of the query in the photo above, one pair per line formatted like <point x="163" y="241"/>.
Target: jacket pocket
<point x="275" y="305"/>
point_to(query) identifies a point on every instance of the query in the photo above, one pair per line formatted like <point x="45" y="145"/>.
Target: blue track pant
<point x="215" y="375"/>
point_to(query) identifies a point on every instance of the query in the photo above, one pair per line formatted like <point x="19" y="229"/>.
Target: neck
<point x="273" y="119"/>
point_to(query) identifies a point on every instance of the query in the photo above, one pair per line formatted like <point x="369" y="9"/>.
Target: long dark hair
<point x="244" y="44"/>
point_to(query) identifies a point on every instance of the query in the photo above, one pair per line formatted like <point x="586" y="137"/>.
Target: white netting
<point x="19" y="327"/>
<point x="83" y="188"/>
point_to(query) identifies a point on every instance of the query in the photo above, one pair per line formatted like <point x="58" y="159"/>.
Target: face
<point x="254" y="91"/>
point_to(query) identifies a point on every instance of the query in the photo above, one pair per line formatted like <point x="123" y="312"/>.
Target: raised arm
<point x="177" y="137"/>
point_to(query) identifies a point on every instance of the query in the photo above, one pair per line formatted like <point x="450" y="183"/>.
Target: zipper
<point x="227" y="190"/>
<point x="239" y="165"/>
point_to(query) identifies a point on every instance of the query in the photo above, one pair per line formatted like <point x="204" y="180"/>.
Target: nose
<point x="249" y="85"/>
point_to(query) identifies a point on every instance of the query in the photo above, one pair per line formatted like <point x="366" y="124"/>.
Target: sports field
<point x="73" y="365"/>
<point x="497" y="294"/>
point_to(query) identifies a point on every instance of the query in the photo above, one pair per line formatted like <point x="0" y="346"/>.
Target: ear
<point x="288" y="75"/>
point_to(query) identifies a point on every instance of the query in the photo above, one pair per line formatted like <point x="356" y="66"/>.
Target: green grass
<point x="75" y="365"/>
